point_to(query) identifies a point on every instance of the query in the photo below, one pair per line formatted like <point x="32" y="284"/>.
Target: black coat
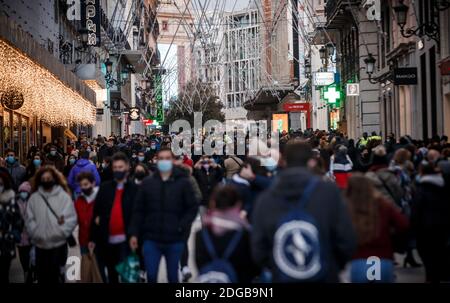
<point x="164" y="210"/>
<point x="207" y="181"/>
<point x="103" y="206"/>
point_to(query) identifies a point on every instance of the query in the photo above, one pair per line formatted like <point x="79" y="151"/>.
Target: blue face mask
<point x="270" y="164"/>
<point x="37" y="162"/>
<point x="24" y="195"/>
<point x="141" y="159"/>
<point x="53" y="152"/>
<point x="72" y="161"/>
<point x="164" y="166"/>
<point x="10" y="159"/>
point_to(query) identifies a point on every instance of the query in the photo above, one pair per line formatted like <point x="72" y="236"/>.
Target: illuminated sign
<point x="323" y="78"/>
<point x="332" y="94"/>
<point x="90" y="19"/>
<point x="280" y="122"/>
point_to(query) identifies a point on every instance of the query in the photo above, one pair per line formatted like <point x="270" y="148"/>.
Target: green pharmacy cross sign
<point x="332" y="94"/>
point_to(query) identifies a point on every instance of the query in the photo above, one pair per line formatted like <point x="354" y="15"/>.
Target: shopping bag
<point x="129" y="269"/>
<point x="89" y="269"/>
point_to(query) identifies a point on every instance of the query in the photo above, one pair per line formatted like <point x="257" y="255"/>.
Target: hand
<point x="133" y="243"/>
<point x="91" y="247"/>
<point x="97" y="221"/>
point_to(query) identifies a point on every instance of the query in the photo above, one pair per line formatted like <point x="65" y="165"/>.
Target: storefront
<point x="40" y="97"/>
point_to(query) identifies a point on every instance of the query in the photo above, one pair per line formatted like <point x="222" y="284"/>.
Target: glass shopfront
<point x="16" y="133"/>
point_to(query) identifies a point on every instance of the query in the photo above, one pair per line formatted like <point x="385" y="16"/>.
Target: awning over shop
<point x="45" y="96"/>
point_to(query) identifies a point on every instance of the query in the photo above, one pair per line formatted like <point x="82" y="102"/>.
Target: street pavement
<point x="403" y="275"/>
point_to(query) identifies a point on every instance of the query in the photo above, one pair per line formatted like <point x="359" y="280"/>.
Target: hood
<point x="290" y="182"/>
<point x="55" y="191"/>
<point x="82" y="162"/>
<point x="7" y="196"/>
<point x="436" y="180"/>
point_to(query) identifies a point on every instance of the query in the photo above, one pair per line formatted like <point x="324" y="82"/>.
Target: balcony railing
<point x="333" y="5"/>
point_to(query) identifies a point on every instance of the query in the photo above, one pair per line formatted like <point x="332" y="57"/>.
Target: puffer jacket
<point x="10" y="223"/>
<point x="17" y="172"/>
<point x="82" y="165"/>
<point x="388" y="183"/>
<point x="42" y="225"/>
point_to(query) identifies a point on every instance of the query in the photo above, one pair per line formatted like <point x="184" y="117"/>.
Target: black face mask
<point x="140" y="175"/>
<point x="119" y="175"/>
<point x="87" y="191"/>
<point x="47" y="184"/>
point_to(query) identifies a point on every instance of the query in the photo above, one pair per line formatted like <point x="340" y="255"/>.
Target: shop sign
<point x="90" y="18"/>
<point x="296" y="107"/>
<point x="323" y="78"/>
<point x="135" y="114"/>
<point x="353" y="89"/>
<point x="405" y="76"/>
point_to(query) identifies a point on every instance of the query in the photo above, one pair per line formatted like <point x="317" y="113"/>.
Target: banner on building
<point x="135" y="114"/>
<point x="405" y="76"/>
<point x="296" y="107"/>
<point x="115" y="107"/>
<point x="90" y="20"/>
<point x="323" y="78"/>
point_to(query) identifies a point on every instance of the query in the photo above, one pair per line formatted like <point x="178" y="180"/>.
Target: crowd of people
<point x="326" y="203"/>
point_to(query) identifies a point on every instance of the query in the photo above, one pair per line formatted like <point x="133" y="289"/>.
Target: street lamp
<point x="323" y="53"/>
<point x="430" y="29"/>
<point x="307" y="68"/>
<point x="370" y="64"/>
<point x="108" y="65"/>
<point x="123" y="77"/>
<point x="330" y="49"/>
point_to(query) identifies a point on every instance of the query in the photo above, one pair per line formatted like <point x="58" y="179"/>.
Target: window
<point x="165" y="25"/>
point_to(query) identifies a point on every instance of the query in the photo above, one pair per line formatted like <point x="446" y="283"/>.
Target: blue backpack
<point x="297" y="252"/>
<point x="219" y="270"/>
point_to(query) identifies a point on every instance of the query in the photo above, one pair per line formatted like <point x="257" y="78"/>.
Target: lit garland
<point x="46" y="97"/>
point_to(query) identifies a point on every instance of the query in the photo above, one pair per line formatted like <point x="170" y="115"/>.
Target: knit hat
<point x="379" y="155"/>
<point x="25" y="186"/>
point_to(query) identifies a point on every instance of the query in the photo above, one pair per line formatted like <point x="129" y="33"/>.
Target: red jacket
<point x="390" y="218"/>
<point x="85" y="212"/>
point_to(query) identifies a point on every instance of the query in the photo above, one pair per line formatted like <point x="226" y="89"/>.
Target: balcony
<point x="335" y="17"/>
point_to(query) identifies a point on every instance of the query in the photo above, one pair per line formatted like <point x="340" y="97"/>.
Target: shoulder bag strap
<point x="308" y="191"/>
<point x="49" y="207"/>
<point x="208" y="243"/>
<point x="233" y="244"/>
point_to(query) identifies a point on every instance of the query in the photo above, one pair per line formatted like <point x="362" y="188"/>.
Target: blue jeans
<point x="153" y="251"/>
<point x="361" y="272"/>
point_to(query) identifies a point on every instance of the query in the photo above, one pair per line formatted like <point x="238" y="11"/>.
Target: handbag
<point x="71" y="239"/>
<point x="90" y="272"/>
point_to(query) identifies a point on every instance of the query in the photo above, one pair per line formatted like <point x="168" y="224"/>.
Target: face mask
<point x="88" y="150"/>
<point x="133" y="156"/>
<point x="2" y="188"/>
<point x="140" y="175"/>
<point x="104" y="165"/>
<point x="164" y="165"/>
<point x="153" y="147"/>
<point x="119" y="175"/>
<point x="37" y="162"/>
<point x="47" y="184"/>
<point x="23" y="195"/>
<point x="270" y="164"/>
<point x="72" y="161"/>
<point x="53" y="152"/>
<point x="206" y="166"/>
<point x="87" y="191"/>
<point x="141" y="159"/>
<point x="147" y="149"/>
<point x="11" y="159"/>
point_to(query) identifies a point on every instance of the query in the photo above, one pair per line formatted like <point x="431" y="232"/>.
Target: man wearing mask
<point x="111" y="217"/>
<point x="82" y="165"/>
<point x="55" y="158"/>
<point x="208" y="174"/>
<point x="15" y="169"/>
<point x="165" y="208"/>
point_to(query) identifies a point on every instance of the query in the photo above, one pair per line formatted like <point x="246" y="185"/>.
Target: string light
<point x="46" y="97"/>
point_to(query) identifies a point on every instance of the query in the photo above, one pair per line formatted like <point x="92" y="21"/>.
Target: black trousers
<point x="24" y="257"/>
<point x="435" y="256"/>
<point x="5" y="264"/>
<point x="49" y="263"/>
<point x="108" y="256"/>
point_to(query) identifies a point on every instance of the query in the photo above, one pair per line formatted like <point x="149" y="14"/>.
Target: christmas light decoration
<point x="45" y="96"/>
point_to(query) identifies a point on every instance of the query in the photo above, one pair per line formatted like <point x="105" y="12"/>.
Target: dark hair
<point x="57" y="176"/>
<point x="147" y="172"/>
<point x="120" y="156"/>
<point x="85" y="175"/>
<point x="9" y="150"/>
<point x="256" y="166"/>
<point x="298" y="154"/>
<point x="84" y="154"/>
<point x="6" y="178"/>
<point x="224" y="197"/>
<point x="165" y="149"/>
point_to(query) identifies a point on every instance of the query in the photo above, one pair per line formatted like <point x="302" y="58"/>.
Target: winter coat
<point x="104" y="151"/>
<point x="102" y="209"/>
<point x="56" y="160"/>
<point x="11" y="224"/>
<point x="84" y="207"/>
<point x="207" y="181"/>
<point x="164" y="210"/>
<point x="42" y="225"/>
<point x="388" y="183"/>
<point x="340" y="169"/>
<point x="17" y="172"/>
<point x="337" y="237"/>
<point x="82" y="165"/>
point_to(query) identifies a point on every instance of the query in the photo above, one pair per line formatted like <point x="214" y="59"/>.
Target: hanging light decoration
<point x="44" y="95"/>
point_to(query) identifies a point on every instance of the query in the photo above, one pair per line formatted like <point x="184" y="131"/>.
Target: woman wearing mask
<point x="25" y="246"/>
<point x="70" y="163"/>
<point x="10" y="226"/>
<point x="105" y="170"/>
<point x="374" y="219"/>
<point x="51" y="219"/>
<point x="140" y="172"/>
<point x="34" y="165"/>
<point x="208" y="174"/>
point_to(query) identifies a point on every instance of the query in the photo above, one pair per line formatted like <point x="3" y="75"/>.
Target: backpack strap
<point x="310" y="186"/>
<point x="208" y="243"/>
<point x="233" y="244"/>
